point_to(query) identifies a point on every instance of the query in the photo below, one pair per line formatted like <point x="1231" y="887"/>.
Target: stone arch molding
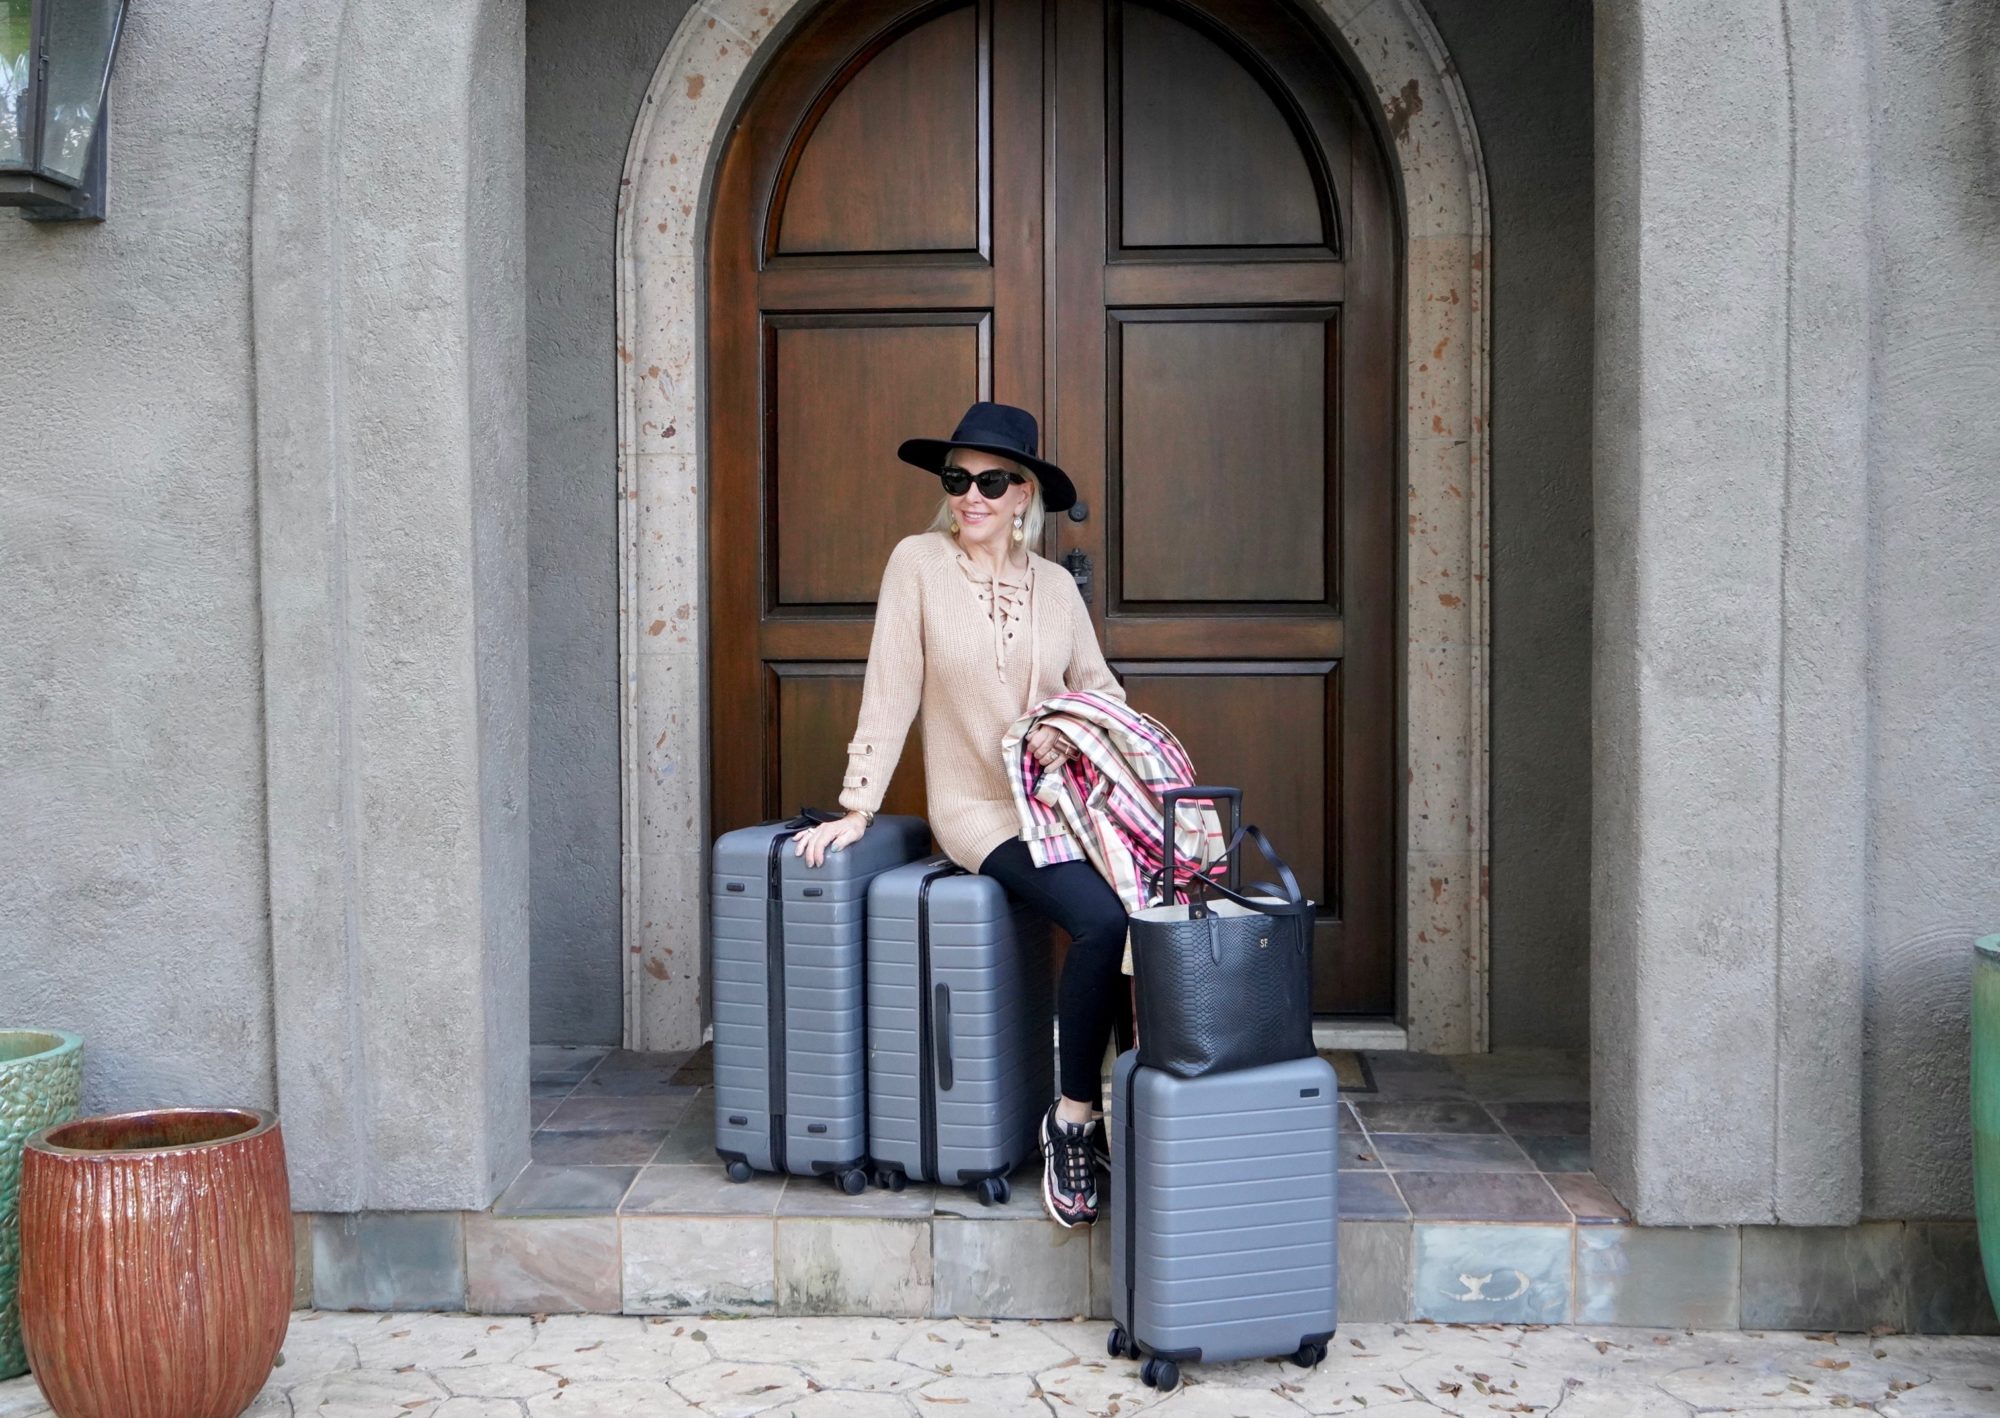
<point x="662" y="206"/>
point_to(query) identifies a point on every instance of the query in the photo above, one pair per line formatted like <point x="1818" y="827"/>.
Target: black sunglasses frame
<point x="988" y="488"/>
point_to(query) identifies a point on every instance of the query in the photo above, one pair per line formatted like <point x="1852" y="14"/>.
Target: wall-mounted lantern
<point x="55" y="66"/>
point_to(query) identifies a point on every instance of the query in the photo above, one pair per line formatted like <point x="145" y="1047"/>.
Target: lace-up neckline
<point x="1008" y="600"/>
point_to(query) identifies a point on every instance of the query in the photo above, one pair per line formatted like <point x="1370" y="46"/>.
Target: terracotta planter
<point x="41" y="1082"/>
<point x="156" y="1262"/>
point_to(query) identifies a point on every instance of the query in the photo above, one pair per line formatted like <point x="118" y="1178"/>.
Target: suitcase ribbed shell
<point x="1225" y="1209"/>
<point x="787" y="943"/>
<point x="973" y="1019"/>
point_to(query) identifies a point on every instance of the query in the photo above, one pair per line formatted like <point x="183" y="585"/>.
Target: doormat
<point x="1351" y="1069"/>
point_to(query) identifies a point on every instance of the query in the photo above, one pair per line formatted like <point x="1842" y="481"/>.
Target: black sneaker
<point x="1069" y="1170"/>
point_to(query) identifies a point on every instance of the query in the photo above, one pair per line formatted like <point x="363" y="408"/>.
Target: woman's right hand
<point x="815" y="842"/>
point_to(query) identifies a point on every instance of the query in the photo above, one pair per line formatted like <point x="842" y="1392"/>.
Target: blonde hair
<point x="1034" y="517"/>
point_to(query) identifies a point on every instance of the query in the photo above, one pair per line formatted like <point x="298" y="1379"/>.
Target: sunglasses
<point x="992" y="483"/>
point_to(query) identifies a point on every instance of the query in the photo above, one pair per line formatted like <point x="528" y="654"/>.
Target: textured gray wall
<point x="1934" y="713"/>
<point x="589" y="62"/>
<point x="132" y="882"/>
<point x="1526" y="66"/>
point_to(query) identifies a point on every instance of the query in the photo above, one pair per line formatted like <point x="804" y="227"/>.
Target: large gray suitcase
<point x="1225" y="1214"/>
<point x="786" y="973"/>
<point x="960" y="1046"/>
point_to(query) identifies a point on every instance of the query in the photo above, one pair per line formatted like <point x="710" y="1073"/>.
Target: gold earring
<point x="954" y="524"/>
<point x="1017" y="527"/>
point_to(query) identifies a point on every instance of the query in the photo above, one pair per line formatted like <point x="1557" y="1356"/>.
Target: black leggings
<point x="1094" y="997"/>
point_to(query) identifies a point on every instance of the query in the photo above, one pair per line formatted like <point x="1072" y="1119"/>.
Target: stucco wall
<point x="132" y="878"/>
<point x="1934" y="637"/>
<point x="589" y="62"/>
<point x="1526" y="66"/>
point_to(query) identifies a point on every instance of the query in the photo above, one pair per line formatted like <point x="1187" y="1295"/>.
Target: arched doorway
<point x="669" y="633"/>
<point x="1166" y="227"/>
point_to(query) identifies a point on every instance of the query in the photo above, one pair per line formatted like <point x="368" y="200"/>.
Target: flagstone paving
<point x="604" y="1366"/>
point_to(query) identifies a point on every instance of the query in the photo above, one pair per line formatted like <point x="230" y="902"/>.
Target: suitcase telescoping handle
<point x="807" y="817"/>
<point x="1170" y="801"/>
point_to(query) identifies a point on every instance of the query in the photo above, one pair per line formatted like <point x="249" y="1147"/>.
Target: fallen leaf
<point x="930" y="1398"/>
<point x="1817" y="1363"/>
<point x="600" y="1343"/>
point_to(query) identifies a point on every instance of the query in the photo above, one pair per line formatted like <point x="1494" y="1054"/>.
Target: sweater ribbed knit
<point x="934" y="650"/>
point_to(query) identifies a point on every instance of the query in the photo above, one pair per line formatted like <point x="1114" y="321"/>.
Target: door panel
<point x="816" y="705"/>
<point x="1220" y="425"/>
<point x="893" y="162"/>
<point x="843" y="391"/>
<point x="1207" y="157"/>
<point x="1162" y="227"/>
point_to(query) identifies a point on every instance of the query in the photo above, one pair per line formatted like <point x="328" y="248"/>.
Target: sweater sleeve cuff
<point x="863" y="785"/>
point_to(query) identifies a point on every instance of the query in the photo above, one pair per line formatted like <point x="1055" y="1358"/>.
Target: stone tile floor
<point x="1491" y="1137"/>
<point x="593" y="1366"/>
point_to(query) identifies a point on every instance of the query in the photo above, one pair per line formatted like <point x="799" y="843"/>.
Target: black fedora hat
<point x="1005" y="431"/>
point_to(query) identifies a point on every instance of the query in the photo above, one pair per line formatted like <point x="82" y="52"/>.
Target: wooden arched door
<point x="1164" y="227"/>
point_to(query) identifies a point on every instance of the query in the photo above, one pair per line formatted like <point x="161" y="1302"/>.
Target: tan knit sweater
<point x="937" y="647"/>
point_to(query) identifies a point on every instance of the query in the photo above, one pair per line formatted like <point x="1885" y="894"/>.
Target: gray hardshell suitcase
<point x="960" y="1046"/>
<point x="1225" y="1214"/>
<point x="786" y="968"/>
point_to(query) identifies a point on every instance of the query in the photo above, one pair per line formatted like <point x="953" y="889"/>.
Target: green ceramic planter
<point x="41" y="1082"/>
<point x="1986" y="1103"/>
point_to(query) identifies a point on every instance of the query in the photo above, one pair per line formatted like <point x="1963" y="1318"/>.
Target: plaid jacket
<point x="1103" y="805"/>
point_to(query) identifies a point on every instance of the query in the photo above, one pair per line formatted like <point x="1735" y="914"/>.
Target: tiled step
<point x="1009" y="1262"/>
<point x="1465" y="1195"/>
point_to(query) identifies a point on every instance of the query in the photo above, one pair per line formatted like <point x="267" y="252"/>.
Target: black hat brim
<point x="1058" y="492"/>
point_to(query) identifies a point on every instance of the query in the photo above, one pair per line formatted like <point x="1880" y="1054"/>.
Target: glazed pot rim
<point x="1988" y="946"/>
<point x="263" y="1120"/>
<point x="66" y="1043"/>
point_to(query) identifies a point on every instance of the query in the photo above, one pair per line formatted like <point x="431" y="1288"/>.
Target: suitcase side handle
<point x="941" y="1034"/>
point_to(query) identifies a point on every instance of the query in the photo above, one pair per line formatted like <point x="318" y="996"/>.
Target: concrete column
<point x="1729" y="666"/>
<point x="388" y="282"/>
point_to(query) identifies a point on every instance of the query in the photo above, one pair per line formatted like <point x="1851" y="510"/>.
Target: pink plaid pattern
<point x="1103" y="805"/>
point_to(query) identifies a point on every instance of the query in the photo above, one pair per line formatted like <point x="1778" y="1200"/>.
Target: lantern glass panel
<point x="81" y="36"/>
<point x="15" y="31"/>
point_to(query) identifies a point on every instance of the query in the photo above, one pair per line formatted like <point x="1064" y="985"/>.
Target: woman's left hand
<point x="1051" y="747"/>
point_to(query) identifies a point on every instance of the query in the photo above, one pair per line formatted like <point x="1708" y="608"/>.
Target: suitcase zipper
<point x="926" y="1044"/>
<point x="1126" y="1215"/>
<point x="774" y="1002"/>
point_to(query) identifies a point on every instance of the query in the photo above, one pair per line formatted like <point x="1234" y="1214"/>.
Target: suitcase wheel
<point x="1162" y="1374"/>
<point x="739" y="1171"/>
<point x="993" y="1191"/>
<point x="1309" y="1355"/>
<point x="853" y="1181"/>
<point x="1114" y="1345"/>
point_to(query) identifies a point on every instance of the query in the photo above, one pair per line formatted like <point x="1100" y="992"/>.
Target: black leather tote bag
<point x="1226" y="983"/>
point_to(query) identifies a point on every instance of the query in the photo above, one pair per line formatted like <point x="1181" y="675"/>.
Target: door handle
<point x="1078" y="562"/>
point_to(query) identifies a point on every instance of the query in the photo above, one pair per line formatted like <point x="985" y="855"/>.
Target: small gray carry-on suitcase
<point x="1225" y="1215"/>
<point x="787" y="971"/>
<point x="960" y="1047"/>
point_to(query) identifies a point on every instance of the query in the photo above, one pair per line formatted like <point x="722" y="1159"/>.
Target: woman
<point x="973" y="629"/>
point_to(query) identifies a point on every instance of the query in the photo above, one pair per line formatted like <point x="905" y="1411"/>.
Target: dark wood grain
<point x="1207" y="158"/>
<point x="816" y="705"/>
<point x="892" y="162"/>
<point x="847" y="394"/>
<point x="1166" y="229"/>
<point x="1219" y="456"/>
